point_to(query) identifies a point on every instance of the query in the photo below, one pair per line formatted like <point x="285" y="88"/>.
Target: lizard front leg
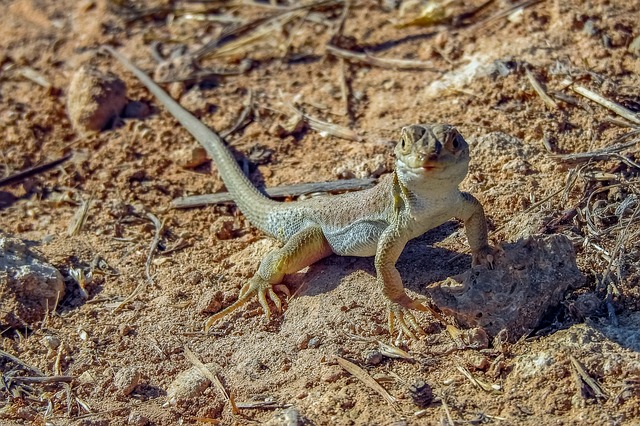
<point x="390" y="246"/>
<point x="304" y="248"/>
<point x="475" y="225"/>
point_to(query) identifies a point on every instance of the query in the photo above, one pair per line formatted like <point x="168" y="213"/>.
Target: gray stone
<point x="529" y="276"/>
<point x="28" y="284"/>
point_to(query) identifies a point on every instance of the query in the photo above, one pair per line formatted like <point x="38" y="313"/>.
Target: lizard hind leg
<point x="304" y="248"/>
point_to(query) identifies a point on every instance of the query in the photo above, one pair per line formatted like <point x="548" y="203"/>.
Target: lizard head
<point x="433" y="154"/>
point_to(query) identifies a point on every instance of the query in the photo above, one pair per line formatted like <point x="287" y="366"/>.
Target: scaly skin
<point x="422" y="193"/>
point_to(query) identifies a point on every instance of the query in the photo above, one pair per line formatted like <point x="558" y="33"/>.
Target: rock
<point x="190" y="157"/>
<point x="28" y="284"/>
<point x="126" y="380"/>
<point x="188" y="385"/>
<point x="287" y="417"/>
<point x="529" y="276"/>
<point x="95" y="99"/>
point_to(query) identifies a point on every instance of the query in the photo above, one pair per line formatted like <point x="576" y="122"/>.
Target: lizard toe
<point x="275" y="299"/>
<point x="256" y="286"/>
<point x="400" y="317"/>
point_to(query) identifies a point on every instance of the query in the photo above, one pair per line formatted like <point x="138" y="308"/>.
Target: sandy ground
<point x="125" y="341"/>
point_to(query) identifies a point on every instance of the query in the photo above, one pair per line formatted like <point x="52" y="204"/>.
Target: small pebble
<point x="373" y="357"/>
<point x="137" y="419"/>
<point x="51" y="342"/>
<point x="303" y="341"/>
<point x="126" y="379"/>
<point x="314" y="342"/>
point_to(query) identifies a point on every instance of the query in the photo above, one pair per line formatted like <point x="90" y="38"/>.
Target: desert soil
<point x="125" y="338"/>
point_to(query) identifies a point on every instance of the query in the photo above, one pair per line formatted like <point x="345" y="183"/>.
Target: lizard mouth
<point x="430" y="166"/>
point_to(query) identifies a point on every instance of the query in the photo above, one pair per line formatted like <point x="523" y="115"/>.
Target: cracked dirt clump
<point x="529" y="276"/>
<point x="95" y="99"/>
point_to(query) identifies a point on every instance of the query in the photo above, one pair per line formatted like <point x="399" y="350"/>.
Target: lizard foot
<point x="401" y="316"/>
<point x="256" y="286"/>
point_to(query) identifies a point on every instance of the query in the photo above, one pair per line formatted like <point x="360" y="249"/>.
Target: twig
<point x="599" y="99"/>
<point x="344" y="87"/>
<point x="278" y="192"/>
<point x="41" y="379"/>
<point x="447" y="411"/>
<point x="540" y="90"/>
<point x="154" y="244"/>
<point x="17" y="177"/>
<point x="605" y="153"/>
<point x="21" y="363"/>
<point x="386" y="63"/>
<point x="193" y="358"/>
<point x="339" y="25"/>
<point x="365" y="378"/>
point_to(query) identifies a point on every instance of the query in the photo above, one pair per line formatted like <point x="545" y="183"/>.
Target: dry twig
<point x="599" y="99"/>
<point x="17" y="177"/>
<point x="159" y="226"/>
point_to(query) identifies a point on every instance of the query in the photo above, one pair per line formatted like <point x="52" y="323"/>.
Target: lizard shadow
<point x="420" y="264"/>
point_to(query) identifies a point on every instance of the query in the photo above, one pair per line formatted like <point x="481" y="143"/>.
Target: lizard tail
<point x="252" y="203"/>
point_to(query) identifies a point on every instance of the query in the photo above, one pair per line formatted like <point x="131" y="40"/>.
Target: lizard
<point x="421" y="193"/>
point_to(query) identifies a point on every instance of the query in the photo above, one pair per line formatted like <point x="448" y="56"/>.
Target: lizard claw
<point x="258" y="286"/>
<point x="484" y="257"/>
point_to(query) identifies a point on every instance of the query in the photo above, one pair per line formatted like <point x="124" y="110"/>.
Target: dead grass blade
<point x="392" y="351"/>
<point x="35" y="76"/>
<point x="240" y="122"/>
<point x="588" y="381"/>
<point x="506" y="12"/>
<point x="479" y="383"/>
<point x="79" y="218"/>
<point x="325" y="127"/>
<point x="386" y="63"/>
<point x="21" y="363"/>
<point x="213" y="377"/>
<point x="365" y="378"/>
<point x="540" y="90"/>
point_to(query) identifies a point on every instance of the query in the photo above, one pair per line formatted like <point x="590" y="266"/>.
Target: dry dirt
<point x="123" y="357"/>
